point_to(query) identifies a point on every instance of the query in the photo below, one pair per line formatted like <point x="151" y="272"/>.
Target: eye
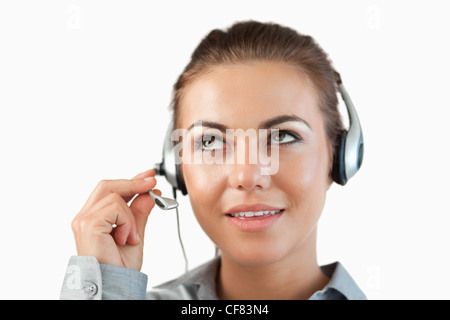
<point x="211" y="143"/>
<point x="282" y="137"/>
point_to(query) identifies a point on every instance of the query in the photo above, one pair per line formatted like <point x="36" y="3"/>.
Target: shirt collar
<point x="341" y="281"/>
<point x="341" y="284"/>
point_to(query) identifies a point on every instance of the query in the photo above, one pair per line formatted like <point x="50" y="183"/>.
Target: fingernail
<point x="149" y="179"/>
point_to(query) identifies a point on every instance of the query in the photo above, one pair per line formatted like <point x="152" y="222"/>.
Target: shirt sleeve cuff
<point x="86" y="279"/>
<point x="123" y="283"/>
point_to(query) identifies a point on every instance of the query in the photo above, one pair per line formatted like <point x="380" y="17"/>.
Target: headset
<point x="349" y="150"/>
<point x="347" y="160"/>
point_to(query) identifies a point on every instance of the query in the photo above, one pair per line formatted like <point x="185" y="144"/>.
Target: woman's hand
<point x="110" y="230"/>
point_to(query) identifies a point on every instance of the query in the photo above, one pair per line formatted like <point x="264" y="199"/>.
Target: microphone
<point x="163" y="202"/>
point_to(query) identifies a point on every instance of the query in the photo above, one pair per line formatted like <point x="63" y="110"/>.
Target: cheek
<point x="303" y="171"/>
<point x="304" y="180"/>
<point x="200" y="177"/>
<point x="205" y="185"/>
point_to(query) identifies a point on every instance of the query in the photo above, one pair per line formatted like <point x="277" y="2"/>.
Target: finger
<point x="118" y="220"/>
<point x="141" y="208"/>
<point x="146" y="190"/>
<point x="148" y="173"/>
<point x="105" y="202"/>
<point x="127" y="189"/>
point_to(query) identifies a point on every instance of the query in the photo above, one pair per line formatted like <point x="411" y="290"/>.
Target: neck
<point x="296" y="276"/>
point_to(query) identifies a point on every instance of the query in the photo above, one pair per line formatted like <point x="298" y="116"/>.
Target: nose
<point x="248" y="177"/>
<point x="248" y="170"/>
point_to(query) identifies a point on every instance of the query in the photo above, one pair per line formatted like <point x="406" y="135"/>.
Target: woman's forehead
<point x="248" y="94"/>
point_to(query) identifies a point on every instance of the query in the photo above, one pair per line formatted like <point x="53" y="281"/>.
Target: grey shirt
<point x="87" y="279"/>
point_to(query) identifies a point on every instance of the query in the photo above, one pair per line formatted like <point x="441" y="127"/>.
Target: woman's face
<point x="254" y="212"/>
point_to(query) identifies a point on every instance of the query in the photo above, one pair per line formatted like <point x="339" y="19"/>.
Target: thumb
<point x="141" y="208"/>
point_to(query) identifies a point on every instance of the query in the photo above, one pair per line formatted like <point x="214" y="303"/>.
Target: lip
<point x="253" y="207"/>
<point x="254" y="223"/>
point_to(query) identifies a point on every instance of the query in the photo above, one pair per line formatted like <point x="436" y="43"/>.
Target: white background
<point x="84" y="93"/>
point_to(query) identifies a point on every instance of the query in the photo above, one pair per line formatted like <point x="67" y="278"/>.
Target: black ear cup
<point x="343" y="169"/>
<point x="360" y="154"/>
<point x="338" y="173"/>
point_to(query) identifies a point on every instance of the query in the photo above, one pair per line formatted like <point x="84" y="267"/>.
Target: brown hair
<point x="256" y="41"/>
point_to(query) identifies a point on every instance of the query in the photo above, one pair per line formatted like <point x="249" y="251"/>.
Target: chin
<point x="256" y="255"/>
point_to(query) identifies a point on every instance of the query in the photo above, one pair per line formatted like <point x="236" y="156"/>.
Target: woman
<point x="253" y="76"/>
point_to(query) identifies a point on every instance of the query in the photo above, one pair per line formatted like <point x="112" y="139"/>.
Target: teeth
<point x="251" y="213"/>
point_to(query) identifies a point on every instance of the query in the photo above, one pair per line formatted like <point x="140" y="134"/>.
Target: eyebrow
<point x="280" y="119"/>
<point x="267" y="124"/>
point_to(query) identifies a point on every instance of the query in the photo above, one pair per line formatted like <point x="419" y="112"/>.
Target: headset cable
<point x="186" y="264"/>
